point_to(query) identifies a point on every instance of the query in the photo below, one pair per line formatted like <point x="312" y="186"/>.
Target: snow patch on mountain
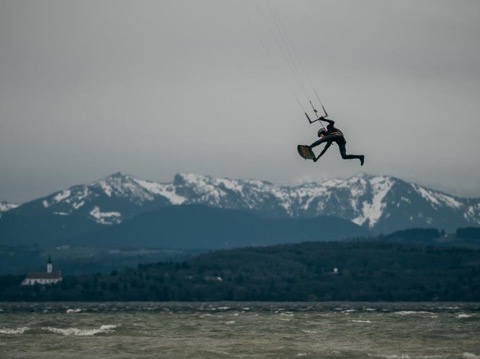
<point x="106" y="188"/>
<point x="167" y="191"/>
<point x="437" y="198"/>
<point x="58" y="197"/>
<point x="472" y="213"/>
<point x="61" y="213"/>
<point x="78" y="205"/>
<point x="105" y="217"/>
<point x="5" y="207"/>
<point x="426" y="194"/>
<point x="372" y="210"/>
<point x="221" y="192"/>
<point x="204" y="188"/>
<point x="73" y="197"/>
<point x="449" y="200"/>
<point x="136" y="192"/>
<point x="123" y="186"/>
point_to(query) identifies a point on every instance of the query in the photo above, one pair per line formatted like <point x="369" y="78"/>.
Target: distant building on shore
<point x="48" y="277"/>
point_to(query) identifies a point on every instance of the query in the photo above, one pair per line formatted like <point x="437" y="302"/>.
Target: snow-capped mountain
<point x="380" y="203"/>
<point x="107" y="201"/>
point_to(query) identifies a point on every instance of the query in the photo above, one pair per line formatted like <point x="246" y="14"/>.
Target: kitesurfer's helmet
<point x="321" y="132"/>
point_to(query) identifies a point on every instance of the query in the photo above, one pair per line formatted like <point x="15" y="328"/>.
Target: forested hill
<point x="325" y="271"/>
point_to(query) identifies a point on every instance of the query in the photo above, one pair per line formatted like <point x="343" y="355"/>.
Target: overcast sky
<point x="153" y="88"/>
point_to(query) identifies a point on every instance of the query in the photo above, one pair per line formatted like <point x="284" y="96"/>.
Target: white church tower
<point x="49" y="265"/>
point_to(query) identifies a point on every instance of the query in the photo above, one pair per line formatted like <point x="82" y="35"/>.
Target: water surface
<point x="240" y="330"/>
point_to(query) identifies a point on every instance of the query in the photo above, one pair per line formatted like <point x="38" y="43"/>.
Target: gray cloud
<point x="153" y="88"/>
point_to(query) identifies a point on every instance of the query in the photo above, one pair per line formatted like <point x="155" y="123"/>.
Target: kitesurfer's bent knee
<point x="343" y="153"/>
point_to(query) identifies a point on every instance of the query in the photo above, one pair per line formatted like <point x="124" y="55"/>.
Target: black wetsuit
<point x="333" y="134"/>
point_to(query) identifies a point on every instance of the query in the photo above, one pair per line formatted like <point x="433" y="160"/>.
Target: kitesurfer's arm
<point x="330" y="122"/>
<point x="323" y="151"/>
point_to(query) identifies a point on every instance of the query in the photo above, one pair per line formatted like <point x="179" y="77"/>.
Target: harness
<point x="337" y="132"/>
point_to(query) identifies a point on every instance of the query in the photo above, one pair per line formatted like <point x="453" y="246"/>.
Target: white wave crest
<point x="81" y="332"/>
<point x="470" y="356"/>
<point x="413" y="312"/>
<point x="13" y="330"/>
<point x="76" y="310"/>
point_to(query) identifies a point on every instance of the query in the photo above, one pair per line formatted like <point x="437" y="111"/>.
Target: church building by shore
<point x="48" y="277"/>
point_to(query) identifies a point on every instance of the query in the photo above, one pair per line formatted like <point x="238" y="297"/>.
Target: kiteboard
<point x="306" y="152"/>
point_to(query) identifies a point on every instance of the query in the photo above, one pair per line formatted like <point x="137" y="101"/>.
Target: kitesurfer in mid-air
<point x="332" y="134"/>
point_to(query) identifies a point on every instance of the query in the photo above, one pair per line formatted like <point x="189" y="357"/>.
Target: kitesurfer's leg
<point x="318" y="142"/>
<point x="343" y="152"/>
<point x="328" y="138"/>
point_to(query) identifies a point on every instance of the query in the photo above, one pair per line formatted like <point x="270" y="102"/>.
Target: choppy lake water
<point x="240" y="330"/>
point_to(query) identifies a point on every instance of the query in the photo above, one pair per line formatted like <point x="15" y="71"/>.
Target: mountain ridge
<point x="380" y="203"/>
